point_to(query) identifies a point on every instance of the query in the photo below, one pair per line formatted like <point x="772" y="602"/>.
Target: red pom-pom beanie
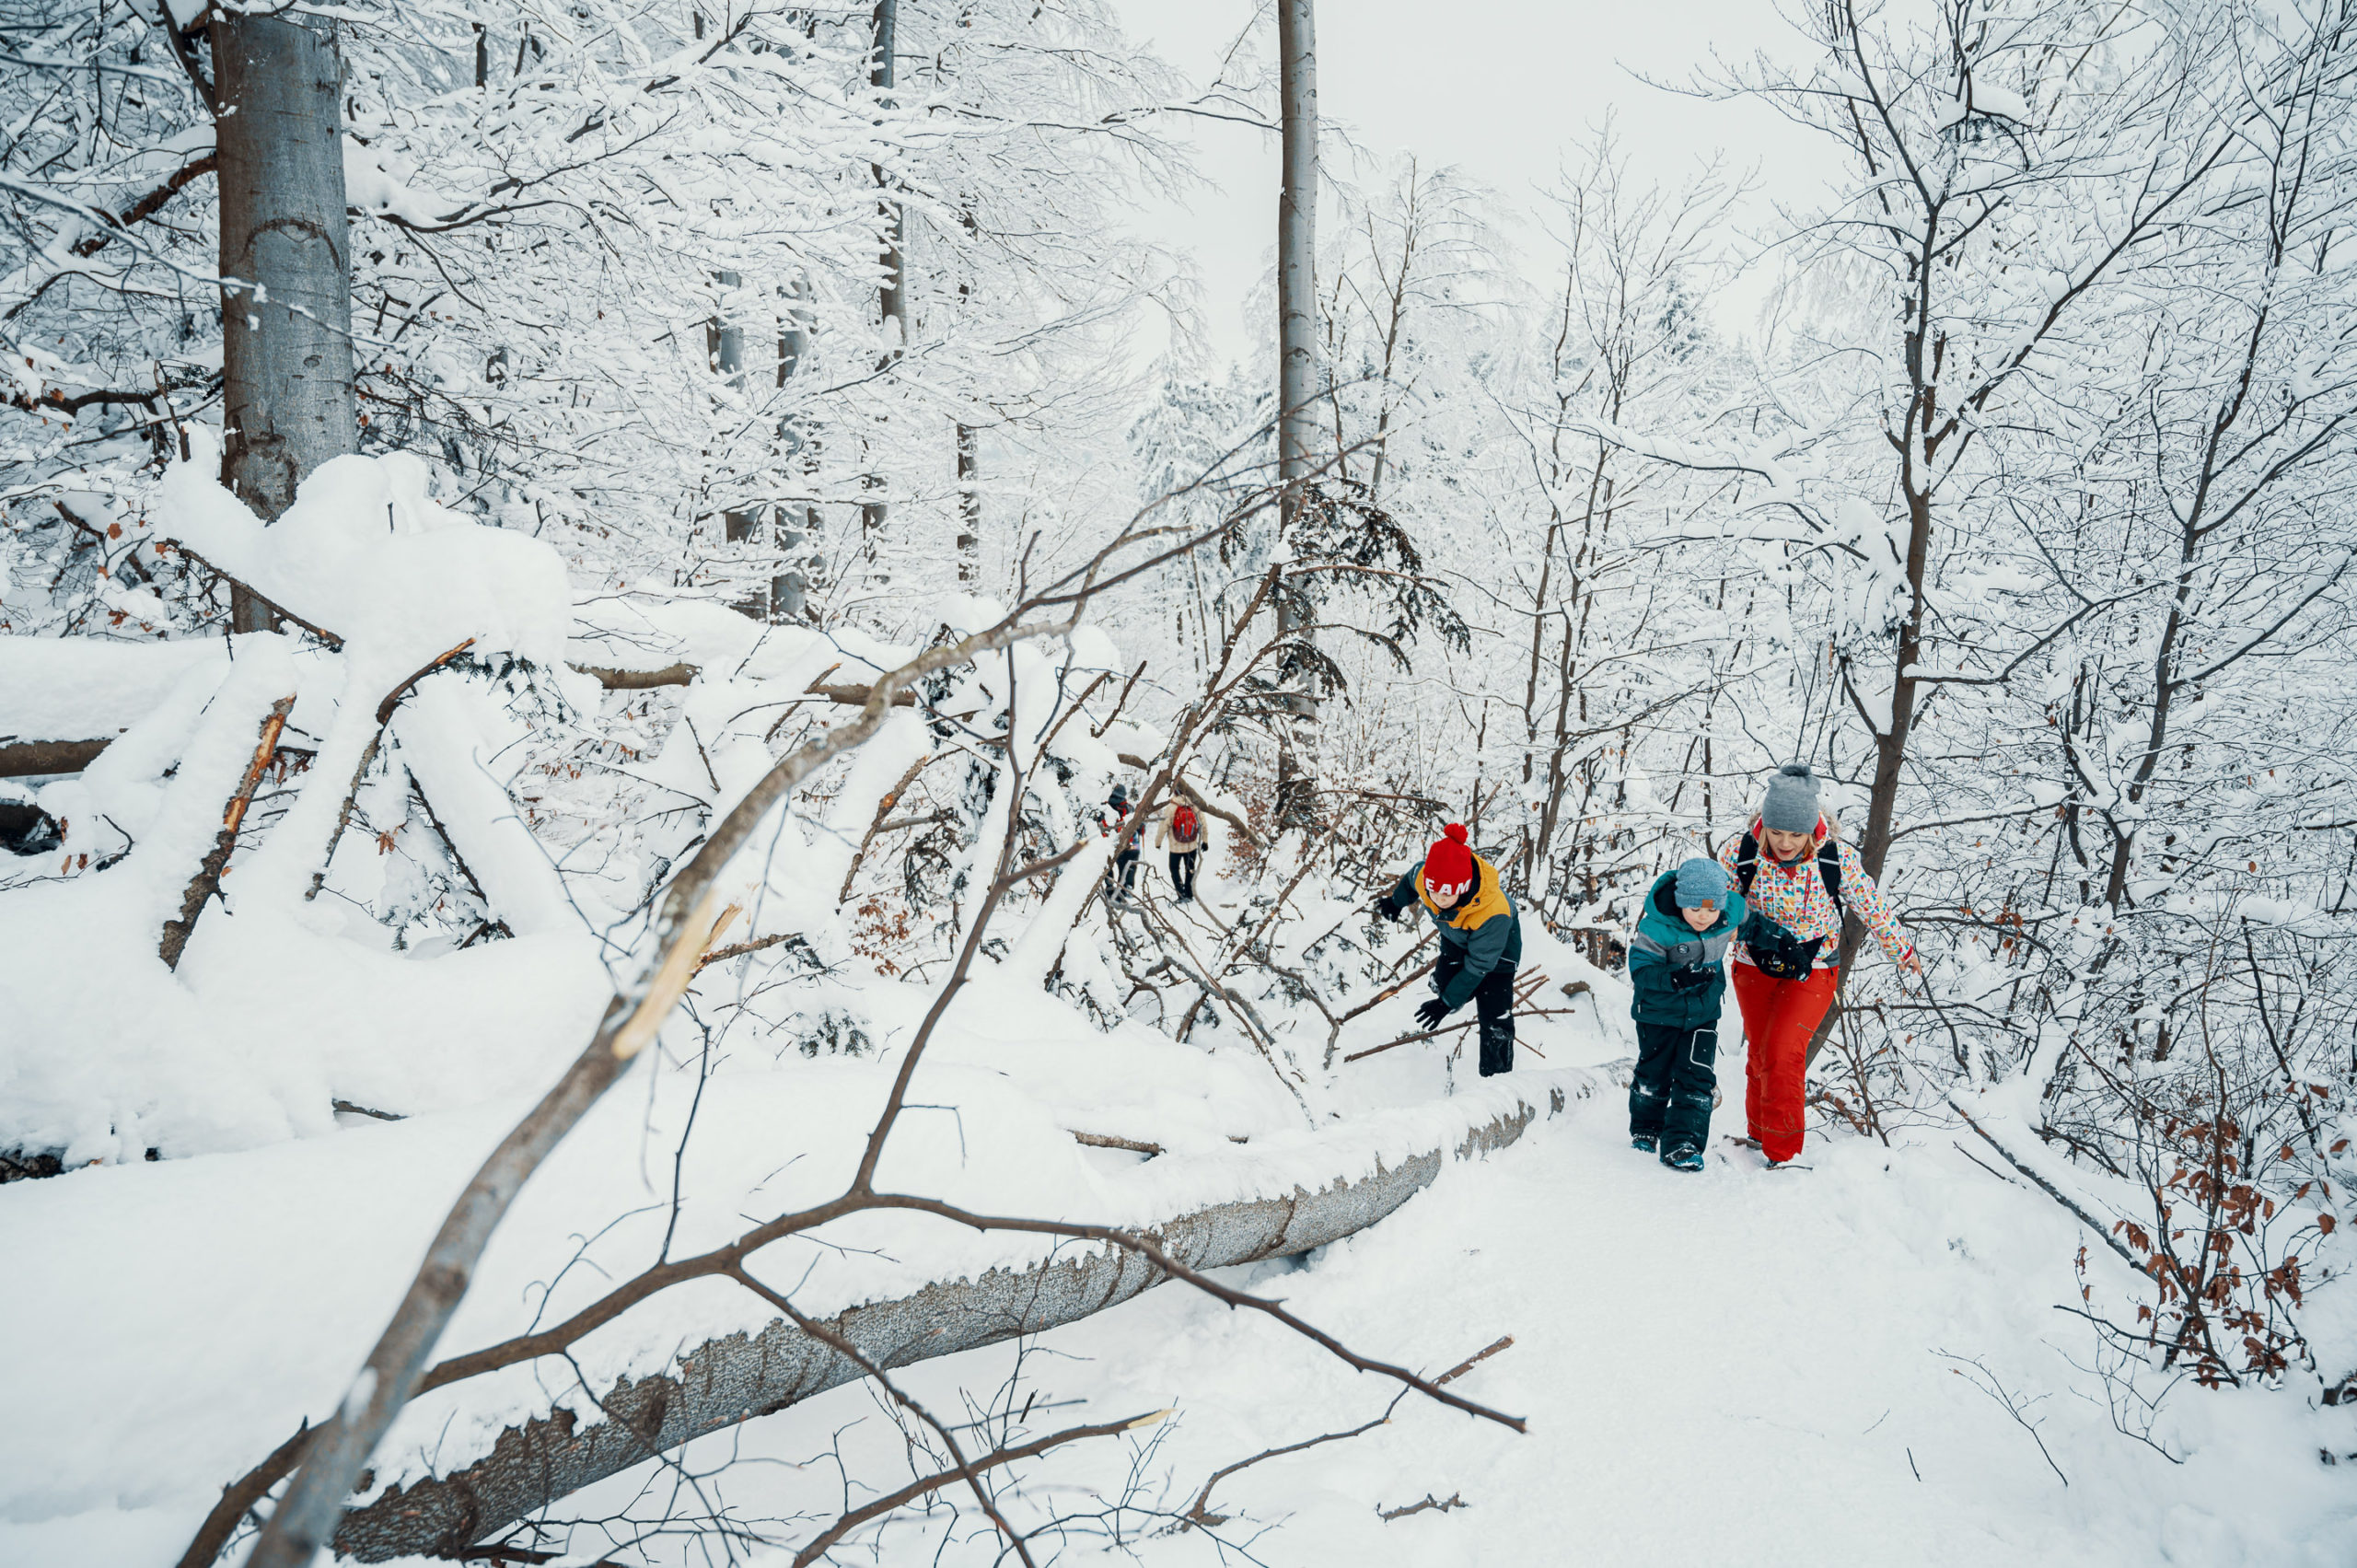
<point x="1448" y="865"/>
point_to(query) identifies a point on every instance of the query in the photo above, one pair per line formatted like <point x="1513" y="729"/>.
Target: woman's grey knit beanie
<point x="1791" y="806"/>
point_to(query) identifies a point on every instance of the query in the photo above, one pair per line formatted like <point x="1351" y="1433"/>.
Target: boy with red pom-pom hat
<point x="1480" y="940"/>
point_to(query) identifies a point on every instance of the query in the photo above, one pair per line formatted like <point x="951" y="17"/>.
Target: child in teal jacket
<point x="1678" y="970"/>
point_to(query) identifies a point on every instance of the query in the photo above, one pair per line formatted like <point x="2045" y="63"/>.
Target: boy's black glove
<point x="1431" y="1013"/>
<point x="1386" y="909"/>
<point x="1693" y="976"/>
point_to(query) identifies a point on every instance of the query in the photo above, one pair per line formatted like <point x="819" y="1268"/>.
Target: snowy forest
<point x="624" y="629"/>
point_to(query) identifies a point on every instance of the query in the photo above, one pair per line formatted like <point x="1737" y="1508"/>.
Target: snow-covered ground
<point x="1797" y="1367"/>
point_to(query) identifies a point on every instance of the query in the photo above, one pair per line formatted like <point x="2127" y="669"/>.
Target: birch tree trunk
<point x="1297" y="352"/>
<point x="969" y="503"/>
<point x="891" y="295"/>
<point x="797" y="522"/>
<point x="728" y="348"/>
<point x="287" y="284"/>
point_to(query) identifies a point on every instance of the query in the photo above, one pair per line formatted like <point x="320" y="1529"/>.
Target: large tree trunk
<point x="722" y="1382"/>
<point x="1297" y="352"/>
<point x="287" y="285"/>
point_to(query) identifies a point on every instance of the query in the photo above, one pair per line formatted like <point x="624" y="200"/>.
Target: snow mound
<point x="89" y="688"/>
<point x="366" y="555"/>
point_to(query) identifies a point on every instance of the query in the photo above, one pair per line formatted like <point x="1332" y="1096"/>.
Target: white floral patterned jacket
<point x="1794" y="896"/>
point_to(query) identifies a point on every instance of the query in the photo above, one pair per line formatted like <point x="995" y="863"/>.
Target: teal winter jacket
<point x="1664" y="945"/>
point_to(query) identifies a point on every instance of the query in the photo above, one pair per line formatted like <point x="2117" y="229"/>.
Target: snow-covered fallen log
<point x="726" y="1380"/>
<point x="63" y="700"/>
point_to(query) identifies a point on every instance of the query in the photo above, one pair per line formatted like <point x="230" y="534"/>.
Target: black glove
<point x="1386" y="909"/>
<point x="1694" y="977"/>
<point x="1431" y="1013"/>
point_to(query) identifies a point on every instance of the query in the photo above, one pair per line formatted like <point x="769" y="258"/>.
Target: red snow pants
<point x="1779" y="1017"/>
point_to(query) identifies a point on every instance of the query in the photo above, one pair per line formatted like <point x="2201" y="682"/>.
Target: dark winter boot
<point x="1643" y="1145"/>
<point x="1494" y="1005"/>
<point x="1685" y="1157"/>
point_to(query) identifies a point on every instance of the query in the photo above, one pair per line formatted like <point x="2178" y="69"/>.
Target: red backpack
<point x="1182" y="824"/>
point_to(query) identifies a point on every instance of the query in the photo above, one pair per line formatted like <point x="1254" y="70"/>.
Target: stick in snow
<point x="207" y="880"/>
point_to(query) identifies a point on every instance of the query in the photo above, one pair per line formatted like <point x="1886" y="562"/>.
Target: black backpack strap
<point x="1747" y="864"/>
<point x="1828" y="866"/>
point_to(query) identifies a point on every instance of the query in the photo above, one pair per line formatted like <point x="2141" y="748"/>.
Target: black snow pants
<point x="1669" y="1098"/>
<point x="1493" y="1004"/>
<point x="1182" y="872"/>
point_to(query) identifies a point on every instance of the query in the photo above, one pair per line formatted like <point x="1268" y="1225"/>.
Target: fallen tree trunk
<point x="639" y="680"/>
<point x="723" y="1382"/>
<point x="31" y="759"/>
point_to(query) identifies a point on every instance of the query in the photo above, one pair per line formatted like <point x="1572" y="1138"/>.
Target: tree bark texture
<point x="725" y="1381"/>
<point x="1296" y="344"/>
<point x="892" y="298"/>
<point x="726" y="350"/>
<point x="34" y="758"/>
<point x="286" y="286"/>
<point x="1297" y="247"/>
<point x="969" y="501"/>
<point x="797" y="522"/>
<point x="891" y="295"/>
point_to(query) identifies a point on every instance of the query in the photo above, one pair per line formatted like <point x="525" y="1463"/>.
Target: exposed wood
<point x="639" y="680"/>
<point x="848" y="694"/>
<point x="875" y="825"/>
<point x="856" y="696"/>
<point x="393" y="698"/>
<point x="30" y="758"/>
<point x="1454" y="1500"/>
<point x="738" y="950"/>
<point x="207" y="880"/>
<point x="722" y="1382"/>
<point x="1476" y="1359"/>
<point x="1107" y="1141"/>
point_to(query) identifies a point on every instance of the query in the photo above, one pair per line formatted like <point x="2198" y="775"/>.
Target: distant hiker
<point x="1183" y="835"/>
<point x="1111" y="819"/>
<point x="1481" y="941"/>
<point x="1677" y="966"/>
<point x="1798" y="877"/>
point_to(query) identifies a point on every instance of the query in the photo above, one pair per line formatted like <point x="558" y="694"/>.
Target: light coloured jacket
<point x="1167" y="837"/>
<point x="1794" y="896"/>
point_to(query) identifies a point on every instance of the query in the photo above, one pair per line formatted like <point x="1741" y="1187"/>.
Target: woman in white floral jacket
<point x="1799" y="877"/>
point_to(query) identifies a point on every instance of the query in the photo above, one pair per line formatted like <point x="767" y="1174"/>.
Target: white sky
<point x="1499" y="86"/>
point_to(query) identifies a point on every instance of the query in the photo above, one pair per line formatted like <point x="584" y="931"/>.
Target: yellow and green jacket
<point x="1483" y="931"/>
